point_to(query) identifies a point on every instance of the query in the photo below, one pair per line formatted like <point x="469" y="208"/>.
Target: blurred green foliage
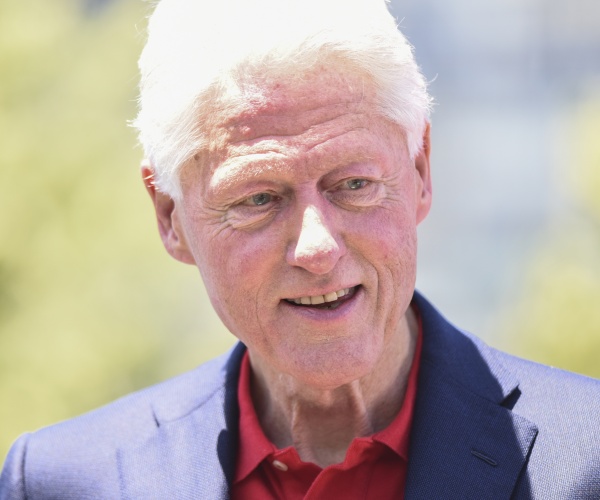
<point x="557" y="321"/>
<point x="91" y="306"/>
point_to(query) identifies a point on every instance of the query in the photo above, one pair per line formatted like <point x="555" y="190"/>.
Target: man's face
<point x="302" y="221"/>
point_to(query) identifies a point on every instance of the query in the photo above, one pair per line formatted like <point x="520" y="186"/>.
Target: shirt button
<point x="280" y="465"/>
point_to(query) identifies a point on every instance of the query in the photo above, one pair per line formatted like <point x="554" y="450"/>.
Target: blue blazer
<point x="487" y="426"/>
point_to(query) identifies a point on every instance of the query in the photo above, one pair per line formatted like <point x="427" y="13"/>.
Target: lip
<point x="319" y="315"/>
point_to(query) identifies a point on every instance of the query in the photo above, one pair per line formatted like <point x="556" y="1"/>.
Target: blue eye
<point x="261" y="199"/>
<point x="356" y="183"/>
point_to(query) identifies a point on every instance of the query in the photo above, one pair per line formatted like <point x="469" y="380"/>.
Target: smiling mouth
<point x="330" y="300"/>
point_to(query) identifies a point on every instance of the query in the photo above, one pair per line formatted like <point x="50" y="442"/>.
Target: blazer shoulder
<point x="550" y="387"/>
<point x="545" y="380"/>
<point x="80" y="454"/>
<point x="130" y="414"/>
<point x="565" y="407"/>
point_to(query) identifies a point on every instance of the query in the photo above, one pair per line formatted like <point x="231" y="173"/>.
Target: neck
<point x="322" y="422"/>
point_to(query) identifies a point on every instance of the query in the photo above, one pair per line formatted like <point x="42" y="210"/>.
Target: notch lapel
<point x="465" y="442"/>
<point x="463" y="446"/>
<point x="175" y="462"/>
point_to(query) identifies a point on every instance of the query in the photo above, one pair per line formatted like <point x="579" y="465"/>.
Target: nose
<point x="316" y="249"/>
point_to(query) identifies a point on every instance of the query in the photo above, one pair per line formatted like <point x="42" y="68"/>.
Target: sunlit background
<point x="91" y="306"/>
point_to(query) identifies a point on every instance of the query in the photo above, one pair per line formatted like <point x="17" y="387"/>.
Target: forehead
<point x="289" y="105"/>
<point x="324" y="117"/>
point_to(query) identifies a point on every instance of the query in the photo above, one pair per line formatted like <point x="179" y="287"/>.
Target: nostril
<point x="316" y="250"/>
<point x="317" y="260"/>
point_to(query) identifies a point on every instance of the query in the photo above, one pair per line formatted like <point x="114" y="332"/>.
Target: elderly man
<point x="287" y="149"/>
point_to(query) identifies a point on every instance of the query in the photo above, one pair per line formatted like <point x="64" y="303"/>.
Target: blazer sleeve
<point x="12" y="480"/>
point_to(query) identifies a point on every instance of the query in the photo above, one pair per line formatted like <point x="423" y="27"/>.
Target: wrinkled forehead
<point x="324" y="119"/>
<point x="287" y="105"/>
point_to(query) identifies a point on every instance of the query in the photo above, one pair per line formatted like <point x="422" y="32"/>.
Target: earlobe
<point x="424" y="177"/>
<point x="167" y="215"/>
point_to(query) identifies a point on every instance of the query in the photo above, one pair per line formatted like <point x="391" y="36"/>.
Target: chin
<point x="329" y="368"/>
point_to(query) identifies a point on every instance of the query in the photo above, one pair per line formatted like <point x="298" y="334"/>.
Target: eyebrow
<point x="245" y="167"/>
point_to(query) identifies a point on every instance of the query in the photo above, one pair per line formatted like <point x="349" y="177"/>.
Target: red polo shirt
<point x="374" y="467"/>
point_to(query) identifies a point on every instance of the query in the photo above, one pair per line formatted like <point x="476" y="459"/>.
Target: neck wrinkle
<point x="322" y="423"/>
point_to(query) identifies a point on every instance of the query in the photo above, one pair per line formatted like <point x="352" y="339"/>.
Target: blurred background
<point x="91" y="306"/>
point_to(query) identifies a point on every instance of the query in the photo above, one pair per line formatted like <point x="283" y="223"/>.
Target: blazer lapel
<point x="466" y="443"/>
<point x="192" y="453"/>
<point x="174" y="463"/>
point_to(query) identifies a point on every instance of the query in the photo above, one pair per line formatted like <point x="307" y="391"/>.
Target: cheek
<point x="222" y="257"/>
<point x="235" y="270"/>
<point x="393" y="249"/>
<point x="395" y="263"/>
<point x="390" y="235"/>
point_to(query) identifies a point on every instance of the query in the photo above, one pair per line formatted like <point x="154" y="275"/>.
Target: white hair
<point x="197" y="49"/>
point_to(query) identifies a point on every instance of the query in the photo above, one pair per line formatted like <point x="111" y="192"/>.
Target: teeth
<point x="321" y="299"/>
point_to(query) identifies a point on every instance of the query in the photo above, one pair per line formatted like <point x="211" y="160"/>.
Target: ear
<point x="423" y="184"/>
<point x="167" y="215"/>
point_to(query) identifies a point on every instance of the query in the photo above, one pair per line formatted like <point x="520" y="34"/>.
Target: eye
<point x="261" y="199"/>
<point x="356" y="183"/>
<point x="255" y="210"/>
<point x="356" y="192"/>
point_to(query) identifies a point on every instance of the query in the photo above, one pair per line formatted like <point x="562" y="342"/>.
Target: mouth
<point x="331" y="300"/>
